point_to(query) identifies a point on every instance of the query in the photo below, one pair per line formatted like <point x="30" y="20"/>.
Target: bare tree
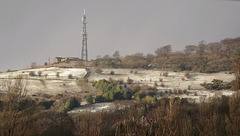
<point x="106" y="56"/>
<point x="237" y="70"/>
<point x="137" y="60"/>
<point x="214" y="48"/>
<point x="229" y="45"/>
<point x="164" y="51"/>
<point x="116" y="55"/>
<point x="58" y="74"/>
<point x="98" y="56"/>
<point x="17" y="88"/>
<point x="190" y="49"/>
<point x="33" y="64"/>
<point x="202" y="47"/>
<point x="11" y="113"/>
<point x="149" y="57"/>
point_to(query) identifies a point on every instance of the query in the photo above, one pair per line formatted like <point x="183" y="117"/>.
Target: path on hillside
<point x="90" y="73"/>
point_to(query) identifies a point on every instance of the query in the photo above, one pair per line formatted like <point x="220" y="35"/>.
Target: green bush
<point x="101" y="84"/>
<point x="105" y="86"/>
<point x="110" y="91"/>
<point x="138" y="96"/>
<point x="127" y="95"/>
<point x="89" y="99"/>
<point x="71" y="103"/>
<point x="150" y="99"/>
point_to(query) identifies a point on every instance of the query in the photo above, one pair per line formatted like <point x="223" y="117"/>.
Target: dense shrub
<point x="99" y="98"/>
<point x="47" y="103"/>
<point x="187" y="74"/>
<point x="183" y="67"/>
<point x="71" y="103"/>
<point x="89" y="99"/>
<point x="218" y="85"/>
<point x="112" y="73"/>
<point x="134" y="88"/>
<point x="1" y="105"/>
<point x="110" y="91"/>
<point x="102" y="85"/>
<point x="70" y="76"/>
<point x="165" y="74"/>
<point x="57" y="74"/>
<point x="99" y="70"/>
<point x="135" y="61"/>
<point x="107" y="62"/>
<point x="26" y="103"/>
<point x="39" y="73"/>
<point x="127" y="95"/>
<point x="138" y="96"/>
<point x="135" y="72"/>
<point x="150" y="99"/>
<point x="32" y="73"/>
<point x="129" y="80"/>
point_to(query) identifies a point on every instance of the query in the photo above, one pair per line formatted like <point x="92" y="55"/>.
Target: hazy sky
<point x="33" y="30"/>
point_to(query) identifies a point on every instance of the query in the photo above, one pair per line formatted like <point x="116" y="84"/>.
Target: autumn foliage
<point x="21" y="115"/>
<point x="204" y="57"/>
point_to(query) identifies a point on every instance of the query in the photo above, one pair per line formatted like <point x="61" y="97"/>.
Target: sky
<point x="35" y="30"/>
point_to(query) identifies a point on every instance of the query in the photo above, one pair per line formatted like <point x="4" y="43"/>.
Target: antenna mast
<point x="84" y="38"/>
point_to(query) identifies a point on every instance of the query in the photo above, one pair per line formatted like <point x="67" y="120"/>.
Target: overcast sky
<point x="34" y="30"/>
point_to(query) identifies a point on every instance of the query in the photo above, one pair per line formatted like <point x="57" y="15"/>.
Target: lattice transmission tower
<point x="84" y="38"/>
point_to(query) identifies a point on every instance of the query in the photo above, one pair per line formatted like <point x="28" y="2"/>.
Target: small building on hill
<point x="64" y="59"/>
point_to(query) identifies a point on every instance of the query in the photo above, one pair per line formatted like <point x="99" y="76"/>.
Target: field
<point x="173" y="81"/>
<point x="49" y="82"/>
<point x="168" y="84"/>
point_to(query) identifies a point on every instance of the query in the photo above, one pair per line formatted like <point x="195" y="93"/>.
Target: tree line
<point x="204" y="57"/>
